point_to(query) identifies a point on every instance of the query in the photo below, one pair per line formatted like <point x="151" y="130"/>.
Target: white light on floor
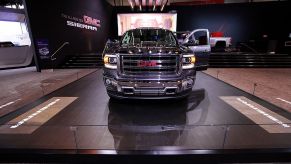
<point x="288" y="102"/>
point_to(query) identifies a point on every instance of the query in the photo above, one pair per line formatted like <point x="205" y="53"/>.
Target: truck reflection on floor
<point x="148" y="125"/>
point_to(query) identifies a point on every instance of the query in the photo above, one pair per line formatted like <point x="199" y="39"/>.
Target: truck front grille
<point x="149" y="64"/>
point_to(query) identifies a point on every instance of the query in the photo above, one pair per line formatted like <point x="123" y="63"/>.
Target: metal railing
<point x="53" y="55"/>
<point x="62" y="46"/>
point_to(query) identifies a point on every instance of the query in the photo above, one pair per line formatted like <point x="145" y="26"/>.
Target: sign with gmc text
<point x="86" y="22"/>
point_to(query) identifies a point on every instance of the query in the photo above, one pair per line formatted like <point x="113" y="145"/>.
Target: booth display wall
<point x="49" y="24"/>
<point x="242" y="21"/>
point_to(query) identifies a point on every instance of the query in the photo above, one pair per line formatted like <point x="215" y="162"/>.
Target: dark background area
<point x="241" y="21"/>
<point x="48" y="23"/>
<point x="244" y="22"/>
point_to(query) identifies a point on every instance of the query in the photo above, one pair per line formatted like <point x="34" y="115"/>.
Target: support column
<point x="36" y="60"/>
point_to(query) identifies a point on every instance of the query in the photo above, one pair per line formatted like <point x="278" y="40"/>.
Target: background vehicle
<point x="12" y="55"/>
<point x="149" y="63"/>
<point x="218" y="42"/>
<point x="198" y="42"/>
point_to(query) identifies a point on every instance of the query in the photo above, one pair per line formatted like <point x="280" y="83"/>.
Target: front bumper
<point x="148" y="88"/>
<point x="118" y="95"/>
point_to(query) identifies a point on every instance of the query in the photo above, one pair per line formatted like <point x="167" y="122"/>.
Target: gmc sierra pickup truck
<point x="149" y="63"/>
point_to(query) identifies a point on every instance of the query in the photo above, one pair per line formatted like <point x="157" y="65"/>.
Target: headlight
<point x="110" y="61"/>
<point x="188" y="61"/>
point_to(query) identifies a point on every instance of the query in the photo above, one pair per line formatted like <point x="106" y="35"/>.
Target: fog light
<point x="108" y="81"/>
<point x="189" y="83"/>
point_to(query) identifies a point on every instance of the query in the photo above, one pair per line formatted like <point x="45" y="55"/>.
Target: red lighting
<point x="146" y="63"/>
<point x="91" y="21"/>
<point x="216" y="34"/>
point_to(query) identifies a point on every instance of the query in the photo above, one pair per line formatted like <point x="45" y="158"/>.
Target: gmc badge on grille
<point x="143" y="63"/>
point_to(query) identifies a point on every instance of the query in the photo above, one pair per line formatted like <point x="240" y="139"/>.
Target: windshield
<point x="149" y="36"/>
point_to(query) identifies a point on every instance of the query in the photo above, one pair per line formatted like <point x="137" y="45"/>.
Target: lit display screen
<point x="15" y="32"/>
<point x="132" y="21"/>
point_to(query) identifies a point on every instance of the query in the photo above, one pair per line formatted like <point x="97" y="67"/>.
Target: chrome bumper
<point x="149" y="88"/>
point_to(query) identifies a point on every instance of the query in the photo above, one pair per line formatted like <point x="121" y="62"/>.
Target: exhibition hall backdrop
<point x="87" y="24"/>
<point x="54" y="22"/>
<point x="241" y="21"/>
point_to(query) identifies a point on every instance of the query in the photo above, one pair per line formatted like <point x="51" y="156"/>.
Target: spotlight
<point x="131" y="5"/>
<point x="163" y="5"/>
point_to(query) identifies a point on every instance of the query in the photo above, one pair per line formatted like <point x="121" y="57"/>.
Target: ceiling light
<point x="131" y="4"/>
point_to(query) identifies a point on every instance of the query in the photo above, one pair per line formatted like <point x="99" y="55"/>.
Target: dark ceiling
<point x="10" y="2"/>
<point x="178" y="2"/>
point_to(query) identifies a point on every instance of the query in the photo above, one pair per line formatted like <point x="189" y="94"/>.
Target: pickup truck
<point x="217" y="40"/>
<point x="149" y="63"/>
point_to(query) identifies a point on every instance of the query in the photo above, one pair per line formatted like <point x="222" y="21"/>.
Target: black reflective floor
<point x="94" y="124"/>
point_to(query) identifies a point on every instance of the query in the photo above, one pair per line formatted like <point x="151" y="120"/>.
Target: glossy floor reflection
<point x="203" y="121"/>
<point x="159" y="125"/>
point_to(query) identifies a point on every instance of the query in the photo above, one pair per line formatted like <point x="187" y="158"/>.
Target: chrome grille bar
<point x="163" y="64"/>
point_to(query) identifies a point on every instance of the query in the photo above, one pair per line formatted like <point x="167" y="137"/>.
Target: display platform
<point x="79" y="122"/>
